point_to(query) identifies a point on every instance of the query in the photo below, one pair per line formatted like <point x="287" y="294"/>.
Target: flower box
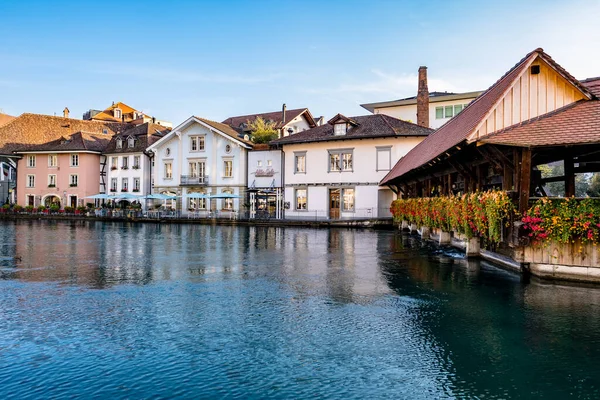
<point x="124" y="167"/>
<point x="113" y="168"/>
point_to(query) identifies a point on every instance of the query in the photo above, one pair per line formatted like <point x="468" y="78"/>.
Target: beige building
<point x="442" y="105"/>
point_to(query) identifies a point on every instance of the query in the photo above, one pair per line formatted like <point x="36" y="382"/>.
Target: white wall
<point x="298" y="124"/>
<point x="275" y="156"/>
<point x="364" y="178"/>
<point x="144" y="173"/>
<point x="409" y="112"/>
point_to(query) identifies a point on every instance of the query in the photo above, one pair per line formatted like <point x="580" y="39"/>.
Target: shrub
<point x="41" y="208"/>
<point x="69" y="209"/>
<point x="18" y="208"/>
<point x="29" y="209"/>
<point x="54" y="208"/>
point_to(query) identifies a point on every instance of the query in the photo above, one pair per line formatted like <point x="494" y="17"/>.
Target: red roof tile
<point x="577" y="123"/>
<point x="593" y="85"/>
<point x="366" y="126"/>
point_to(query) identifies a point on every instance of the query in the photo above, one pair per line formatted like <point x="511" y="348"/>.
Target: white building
<point x="128" y="166"/>
<point x="265" y="182"/>
<point x="333" y="171"/>
<point x="442" y="107"/>
<point x="202" y="157"/>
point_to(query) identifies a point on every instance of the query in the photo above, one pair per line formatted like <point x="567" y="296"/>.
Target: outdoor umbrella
<point x="100" y="196"/>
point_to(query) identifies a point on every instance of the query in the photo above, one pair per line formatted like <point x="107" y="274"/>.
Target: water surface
<point x="111" y="310"/>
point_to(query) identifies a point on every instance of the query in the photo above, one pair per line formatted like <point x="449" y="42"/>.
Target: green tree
<point x="594" y="187"/>
<point x="262" y="131"/>
<point x="557" y="189"/>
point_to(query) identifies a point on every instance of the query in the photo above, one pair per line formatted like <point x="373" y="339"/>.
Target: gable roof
<point x="108" y="114"/>
<point x="274" y="116"/>
<point x="218" y="127"/>
<point x="434" y="97"/>
<point x="80" y="141"/>
<point x="144" y="134"/>
<point x="459" y="128"/>
<point x="575" y="124"/>
<point x="367" y="126"/>
<point x="5" y="119"/>
<point x="32" y="129"/>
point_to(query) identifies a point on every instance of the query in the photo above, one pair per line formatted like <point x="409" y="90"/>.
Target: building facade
<point x="265" y="182"/>
<point x="62" y="172"/>
<point x="202" y="157"/>
<point x="127" y="167"/>
<point x="333" y="171"/>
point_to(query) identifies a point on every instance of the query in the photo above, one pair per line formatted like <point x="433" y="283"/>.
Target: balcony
<point x="190" y="180"/>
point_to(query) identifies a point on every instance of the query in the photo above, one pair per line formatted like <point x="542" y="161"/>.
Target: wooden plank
<point x="525" y="181"/>
<point x="506" y="162"/>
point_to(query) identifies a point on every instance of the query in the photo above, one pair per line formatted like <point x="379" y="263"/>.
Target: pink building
<point x="64" y="171"/>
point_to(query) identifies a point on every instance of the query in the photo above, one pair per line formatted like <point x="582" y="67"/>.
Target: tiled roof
<point x="460" y="127"/>
<point x="226" y="129"/>
<point x="368" y="126"/>
<point x="275" y="116"/>
<point x="32" y="129"/>
<point x="575" y="124"/>
<point x="108" y="114"/>
<point x="144" y="134"/>
<point x="593" y="85"/>
<point x="80" y="141"/>
<point x="5" y="119"/>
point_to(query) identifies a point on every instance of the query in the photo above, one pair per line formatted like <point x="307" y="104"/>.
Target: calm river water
<point x="112" y="310"/>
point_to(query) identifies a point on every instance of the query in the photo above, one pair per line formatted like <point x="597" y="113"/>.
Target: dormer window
<point x="130" y="142"/>
<point x="118" y="113"/>
<point x="339" y="129"/>
<point x="119" y="143"/>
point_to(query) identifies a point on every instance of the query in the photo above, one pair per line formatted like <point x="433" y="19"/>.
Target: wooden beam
<point x="525" y="181"/>
<point x="462" y="169"/>
<point x="506" y="162"/>
<point x="490" y="158"/>
<point x="569" y="176"/>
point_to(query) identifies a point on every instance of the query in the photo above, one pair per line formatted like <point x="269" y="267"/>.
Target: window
<point x="301" y="199"/>
<point x="31" y="161"/>
<point x="300" y="163"/>
<point x="168" y="151"/>
<point x="228" y="168"/>
<point x="457" y="108"/>
<point x="193" y="169"/>
<point x="340" y="160"/>
<point x="196" y="143"/>
<point x="51" y="181"/>
<point x="348" y="200"/>
<point x="118" y="113"/>
<point x="168" y="170"/>
<point x="52" y="160"/>
<point x="105" y="131"/>
<point x="73" y="180"/>
<point x="113" y="184"/>
<point x="136" y="162"/>
<point x="125" y="162"/>
<point x="439" y="113"/>
<point x="448" y="112"/>
<point x="259" y="163"/>
<point x="119" y="143"/>
<point x="228" y="203"/>
<point x="269" y="163"/>
<point x="384" y="159"/>
<point x="130" y="142"/>
<point x="30" y="181"/>
<point x="339" y="129"/>
<point x="74" y="160"/>
<point x="228" y="148"/>
<point x="124" y="184"/>
<point x="114" y="163"/>
<point x="136" y="184"/>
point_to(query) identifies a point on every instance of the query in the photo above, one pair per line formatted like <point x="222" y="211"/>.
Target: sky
<point x="215" y="59"/>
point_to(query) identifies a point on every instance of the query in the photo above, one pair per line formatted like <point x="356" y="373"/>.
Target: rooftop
<point x="361" y="127"/>
<point x="274" y="116"/>
<point x="433" y="98"/>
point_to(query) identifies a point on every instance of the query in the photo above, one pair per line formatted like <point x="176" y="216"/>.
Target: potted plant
<point x="28" y="209"/>
<point x="51" y="185"/>
<point x="5" y="208"/>
<point x="113" y="168"/>
<point x="41" y="208"/>
<point x="124" y="190"/>
<point x="136" y="167"/>
<point x="124" y="167"/>
<point x="17" y="208"/>
<point x="69" y="210"/>
<point x="81" y="210"/>
<point x="54" y="208"/>
<point x="73" y="185"/>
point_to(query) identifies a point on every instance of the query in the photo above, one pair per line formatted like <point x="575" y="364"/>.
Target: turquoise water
<point x="100" y="310"/>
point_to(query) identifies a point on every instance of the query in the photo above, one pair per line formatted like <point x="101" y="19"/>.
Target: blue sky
<point x="216" y="59"/>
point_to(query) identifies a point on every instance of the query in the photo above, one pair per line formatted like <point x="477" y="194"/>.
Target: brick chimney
<point x="423" y="99"/>
<point x="283" y="109"/>
<point x="66" y="112"/>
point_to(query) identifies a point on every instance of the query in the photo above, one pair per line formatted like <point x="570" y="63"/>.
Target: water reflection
<point x="183" y="310"/>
